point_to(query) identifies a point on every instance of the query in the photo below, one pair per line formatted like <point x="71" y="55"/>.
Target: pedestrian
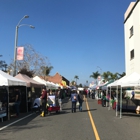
<point x="80" y="99"/>
<point x="60" y="97"/>
<point x="93" y="94"/>
<point x="103" y="99"/>
<point x="17" y="101"/>
<point x="44" y="102"/>
<point x="37" y="104"/>
<point x="89" y="92"/>
<point x="74" y="99"/>
<point x="85" y="93"/>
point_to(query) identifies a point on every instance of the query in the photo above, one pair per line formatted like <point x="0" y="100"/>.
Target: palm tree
<point x="76" y="77"/>
<point x="106" y="76"/>
<point x="87" y="81"/>
<point x="121" y="75"/>
<point x="113" y="76"/>
<point x="95" y="75"/>
<point x="46" y="70"/>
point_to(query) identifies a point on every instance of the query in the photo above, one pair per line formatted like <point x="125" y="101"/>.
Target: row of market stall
<point x="124" y="87"/>
<point x="29" y="88"/>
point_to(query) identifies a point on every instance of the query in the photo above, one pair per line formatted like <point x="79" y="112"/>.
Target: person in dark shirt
<point x="44" y="102"/>
<point x="60" y="97"/>
<point x="80" y="99"/>
<point x="17" y="101"/>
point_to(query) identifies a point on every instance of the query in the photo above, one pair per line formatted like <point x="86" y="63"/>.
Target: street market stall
<point x="8" y="82"/>
<point x="33" y="89"/>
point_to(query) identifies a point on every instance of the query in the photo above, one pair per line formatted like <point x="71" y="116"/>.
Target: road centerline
<point x="92" y="122"/>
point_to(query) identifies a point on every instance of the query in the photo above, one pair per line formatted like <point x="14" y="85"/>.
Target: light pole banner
<point x="20" y="53"/>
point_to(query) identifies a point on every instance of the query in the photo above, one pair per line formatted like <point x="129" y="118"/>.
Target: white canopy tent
<point x="36" y="78"/>
<point x="131" y="81"/>
<point x="46" y="83"/>
<point x="116" y="84"/>
<point x="8" y="80"/>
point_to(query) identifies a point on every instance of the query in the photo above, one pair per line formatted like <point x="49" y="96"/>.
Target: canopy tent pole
<point x="121" y="104"/>
<point x="117" y="101"/>
<point x="26" y="99"/>
<point x="106" y="94"/>
<point x="110" y="99"/>
<point x="8" y="108"/>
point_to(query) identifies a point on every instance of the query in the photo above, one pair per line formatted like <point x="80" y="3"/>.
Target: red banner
<point x="20" y="53"/>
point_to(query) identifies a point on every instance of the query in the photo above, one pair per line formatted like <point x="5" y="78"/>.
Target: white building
<point x="132" y="38"/>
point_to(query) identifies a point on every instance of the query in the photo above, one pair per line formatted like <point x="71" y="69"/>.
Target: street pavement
<point x="73" y="126"/>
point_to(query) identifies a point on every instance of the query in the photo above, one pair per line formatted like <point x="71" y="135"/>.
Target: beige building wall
<point x="132" y="18"/>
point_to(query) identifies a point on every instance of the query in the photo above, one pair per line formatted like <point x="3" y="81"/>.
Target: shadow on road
<point x="89" y="110"/>
<point x="131" y="115"/>
<point x="82" y="111"/>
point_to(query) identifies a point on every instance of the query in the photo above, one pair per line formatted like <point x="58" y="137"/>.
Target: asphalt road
<point x="101" y="125"/>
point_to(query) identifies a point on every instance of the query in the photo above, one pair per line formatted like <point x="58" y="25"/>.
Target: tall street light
<point x="16" y="40"/>
<point x="100" y="71"/>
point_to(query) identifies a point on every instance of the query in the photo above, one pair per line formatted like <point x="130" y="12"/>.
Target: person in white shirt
<point x="37" y="104"/>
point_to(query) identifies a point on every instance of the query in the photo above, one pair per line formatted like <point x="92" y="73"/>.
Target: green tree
<point x="3" y="65"/>
<point x="32" y="60"/>
<point x="76" y="78"/>
<point x="29" y="73"/>
<point x="106" y="76"/>
<point x="80" y="85"/>
<point x="113" y="76"/>
<point x="46" y="70"/>
<point x="73" y="83"/>
<point x="86" y="82"/>
<point x="121" y="75"/>
<point x="95" y="75"/>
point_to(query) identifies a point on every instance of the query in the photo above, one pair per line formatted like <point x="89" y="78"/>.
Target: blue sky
<point x="79" y="37"/>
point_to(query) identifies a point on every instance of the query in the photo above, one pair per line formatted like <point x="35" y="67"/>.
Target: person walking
<point x="44" y="102"/>
<point x="89" y="93"/>
<point x="74" y="99"/>
<point x="60" y="97"/>
<point x="17" y="101"/>
<point x="80" y="99"/>
<point x="85" y="93"/>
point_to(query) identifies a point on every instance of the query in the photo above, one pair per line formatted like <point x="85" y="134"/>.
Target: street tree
<point x="106" y="76"/>
<point x="3" y="65"/>
<point x="113" y="76"/>
<point x="46" y="70"/>
<point x="32" y="61"/>
<point x="29" y="73"/>
<point x="121" y="75"/>
<point x="76" y="78"/>
<point x="73" y="83"/>
<point x="95" y="76"/>
<point x="86" y="82"/>
<point x="80" y="85"/>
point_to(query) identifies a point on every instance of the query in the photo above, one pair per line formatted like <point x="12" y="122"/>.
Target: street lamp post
<point x="100" y="70"/>
<point x="16" y="40"/>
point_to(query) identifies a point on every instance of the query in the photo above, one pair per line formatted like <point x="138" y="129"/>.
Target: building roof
<point x="130" y="9"/>
<point x="57" y="78"/>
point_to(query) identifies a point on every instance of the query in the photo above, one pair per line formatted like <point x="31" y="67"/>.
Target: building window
<point x="132" y="54"/>
<point x="131" y="31"/>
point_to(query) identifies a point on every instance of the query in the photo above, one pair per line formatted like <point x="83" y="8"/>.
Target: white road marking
<point x="15" y="122"/>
